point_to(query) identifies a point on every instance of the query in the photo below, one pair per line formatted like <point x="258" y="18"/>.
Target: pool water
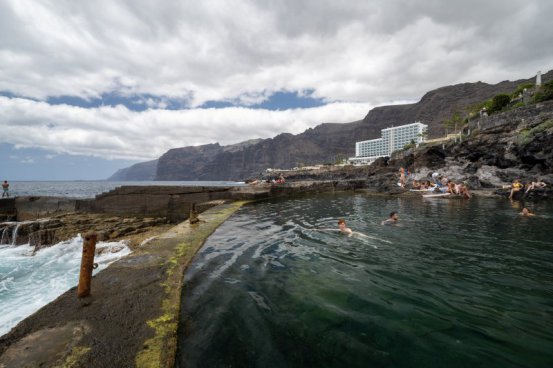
<point x="457" y="284"/>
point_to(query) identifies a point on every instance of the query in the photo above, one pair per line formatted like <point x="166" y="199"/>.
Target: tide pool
<point x="458" y="283"/>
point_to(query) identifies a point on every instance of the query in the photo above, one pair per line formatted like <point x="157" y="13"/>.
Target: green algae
<point x="75" y="356"/>
<point x="160" y="350"/>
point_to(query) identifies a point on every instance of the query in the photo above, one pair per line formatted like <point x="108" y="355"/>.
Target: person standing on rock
<point x="5" y="189"/>
<point x="402" y="177"/>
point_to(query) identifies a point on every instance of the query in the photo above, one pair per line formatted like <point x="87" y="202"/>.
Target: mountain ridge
<point x="327" y="142"/>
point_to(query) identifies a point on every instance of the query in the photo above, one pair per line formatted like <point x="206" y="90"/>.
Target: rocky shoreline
<point x="132" y="317"/>
<point x="490" y="154"/>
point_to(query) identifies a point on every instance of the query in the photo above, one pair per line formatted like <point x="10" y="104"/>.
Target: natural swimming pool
<point x="461" y="283"/>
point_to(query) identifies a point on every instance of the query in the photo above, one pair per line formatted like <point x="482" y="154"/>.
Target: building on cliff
<point x="393" y="139"/>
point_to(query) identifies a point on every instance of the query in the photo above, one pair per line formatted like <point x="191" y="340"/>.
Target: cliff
<point x="140" y="171"/>
<point x="515" y="144"/>
<point x="325" y="143"/>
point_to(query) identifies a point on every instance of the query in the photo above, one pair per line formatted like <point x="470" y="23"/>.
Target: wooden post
<point x="193" y="219"/>
<point x="87" y="264"/>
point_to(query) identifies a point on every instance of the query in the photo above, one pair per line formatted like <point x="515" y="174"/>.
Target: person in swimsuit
<point x="5" y="189"/>
<point x="392" y="220"/>
<point x="535" y="185"/>
<point x="515" y="187"/>
<point x="526" y="212"/>
<point x="343" y="228"/>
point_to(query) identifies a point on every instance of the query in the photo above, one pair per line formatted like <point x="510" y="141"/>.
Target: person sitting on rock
<point x="515" y="187"/>
<point x="451" y="186"/>
<point x="535" y="185"/>
<point x="402" y="177"/>
<point x="464" y="191"/>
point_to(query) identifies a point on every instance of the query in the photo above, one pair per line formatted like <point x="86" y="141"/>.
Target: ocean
<point x="89" y="189"/>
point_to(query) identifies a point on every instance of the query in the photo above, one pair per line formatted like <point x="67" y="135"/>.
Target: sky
<point x="88" y="87"/>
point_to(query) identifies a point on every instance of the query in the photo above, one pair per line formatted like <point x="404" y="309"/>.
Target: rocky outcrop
<point x="49" y="231"/>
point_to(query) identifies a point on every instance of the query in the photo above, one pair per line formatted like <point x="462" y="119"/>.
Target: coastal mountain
<point x="136" y="172"/>
<point x="323" y="144"/>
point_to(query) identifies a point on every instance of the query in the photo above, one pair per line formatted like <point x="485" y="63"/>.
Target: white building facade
<point x="393" y="139"/>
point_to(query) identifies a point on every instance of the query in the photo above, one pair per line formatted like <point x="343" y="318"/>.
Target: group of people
<point x="279" y="180"/>
<point x="517" y="186"/>
<point x="5" y="189"/>
<point x="438" y="184"/>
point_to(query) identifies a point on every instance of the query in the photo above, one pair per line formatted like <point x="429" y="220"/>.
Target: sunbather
<point x="515" y="187"/>
<point x="535" y="185"/>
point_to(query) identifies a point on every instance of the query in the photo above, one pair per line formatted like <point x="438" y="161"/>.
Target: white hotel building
<point x="393" y="139"/>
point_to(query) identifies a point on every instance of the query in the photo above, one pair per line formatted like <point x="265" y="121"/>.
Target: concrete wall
<point x="32" y="208"/>
<point x="7" y="209"/>
<point x="171" y="202"/>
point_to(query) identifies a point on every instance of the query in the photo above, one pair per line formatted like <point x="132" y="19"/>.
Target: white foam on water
<point x="28" y="282"/>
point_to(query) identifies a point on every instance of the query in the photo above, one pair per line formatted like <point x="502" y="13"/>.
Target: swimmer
<point x="526" y="212"/>
<point x="343" y="228"/>
<point x="392" y="220"/>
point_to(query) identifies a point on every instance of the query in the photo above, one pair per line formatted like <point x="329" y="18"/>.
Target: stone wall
<point x="171" y="202"/>
<point x="7" y="209"/>
<point x="32" y="208"/>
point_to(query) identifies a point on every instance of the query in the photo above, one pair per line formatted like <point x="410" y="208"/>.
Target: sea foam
<point x="28" y="282"/>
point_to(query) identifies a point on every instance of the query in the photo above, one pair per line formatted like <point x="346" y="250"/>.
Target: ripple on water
<point x="459" y="283"/>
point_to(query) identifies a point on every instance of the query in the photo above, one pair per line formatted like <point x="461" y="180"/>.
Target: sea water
<point x="89" y="189"/>
<point x="29" y="281"/>
<point x="458" y="284"/>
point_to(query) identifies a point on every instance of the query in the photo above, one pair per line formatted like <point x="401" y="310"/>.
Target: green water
<point x="461" y="284"/>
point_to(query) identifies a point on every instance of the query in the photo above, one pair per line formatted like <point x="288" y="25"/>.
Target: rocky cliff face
<point x="516" y="144"/>
<point x="324" y="143"/>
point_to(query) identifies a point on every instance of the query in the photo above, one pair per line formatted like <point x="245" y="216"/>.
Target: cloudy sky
<point x="87" y="87"/>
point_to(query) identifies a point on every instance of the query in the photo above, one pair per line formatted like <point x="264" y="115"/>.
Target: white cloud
<point x="117" y="132"/>
<point x="243" y="50"/>
<point x="365" y="53"/>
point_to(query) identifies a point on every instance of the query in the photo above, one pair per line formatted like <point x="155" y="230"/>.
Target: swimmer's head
<point x="525" y="211"/>
<point x="394" y="216"/>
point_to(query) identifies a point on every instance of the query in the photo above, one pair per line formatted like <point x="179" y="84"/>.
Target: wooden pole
<point x="87" y="264"/>
<point x="193" y="214"/>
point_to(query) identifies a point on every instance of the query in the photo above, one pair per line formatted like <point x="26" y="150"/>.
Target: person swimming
<point x="392" y="220"/>
<point x="343" y="228"/>
<point x="526" y="212"/>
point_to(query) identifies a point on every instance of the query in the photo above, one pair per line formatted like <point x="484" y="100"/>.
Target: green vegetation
<point x="527" y="135"/>
<point x="545" y="93"/>
<point x="499" y="102"/>
<point x="520" y="89"/>
<point x="455" y="121"/>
